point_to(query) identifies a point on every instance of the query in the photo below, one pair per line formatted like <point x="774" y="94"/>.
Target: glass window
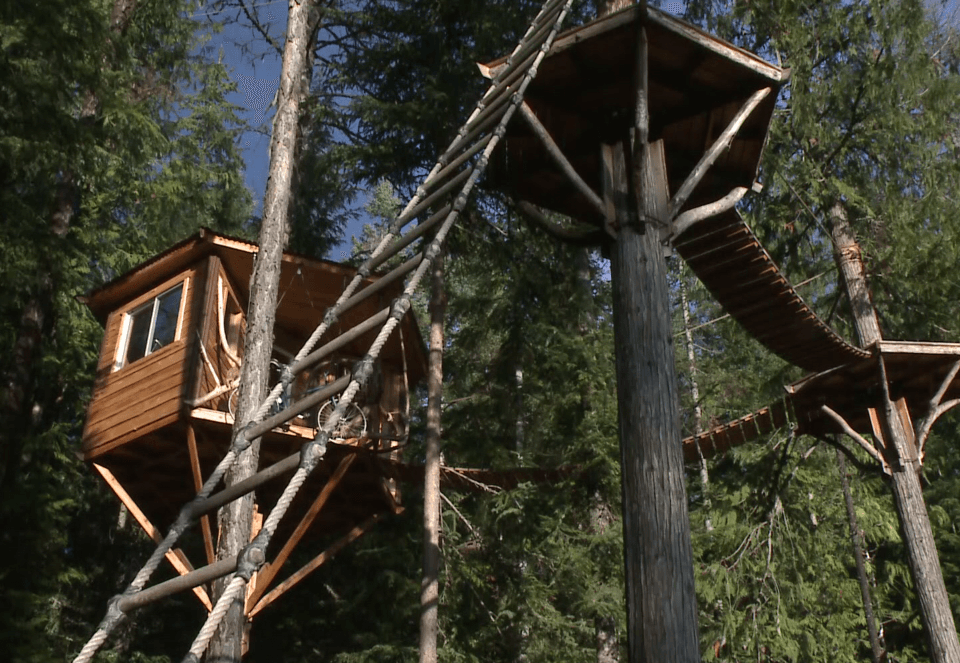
<point x="151" y="326"/>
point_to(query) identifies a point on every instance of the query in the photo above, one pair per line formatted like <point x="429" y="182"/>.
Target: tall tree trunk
<point x="876" y="651"/>
<point x="695" y="393"/>
<point x="658" y="556"/>
<point x="236" y="518"/>
<point x="905" y="467"/>
<point x="430" y="588"/>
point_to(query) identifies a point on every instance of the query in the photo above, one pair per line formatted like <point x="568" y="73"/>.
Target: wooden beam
<point x="689" y="218"/>
<point x="919" y="347"/>
<point x="855" y="436"/>
<point x="176" y="557"/>
<point x="269" y="571"/>
<point x="711" y="155"/>
<point x="935" y="407"/>
<point x="559" y="159"/>
<point x="314" y="564"/>
<point x="197" y="485"/>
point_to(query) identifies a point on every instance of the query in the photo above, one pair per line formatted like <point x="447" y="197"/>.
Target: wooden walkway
<point x="731" y="262"/>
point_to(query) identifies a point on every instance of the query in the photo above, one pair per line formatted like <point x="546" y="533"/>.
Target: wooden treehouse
<point x="162" y="408"/>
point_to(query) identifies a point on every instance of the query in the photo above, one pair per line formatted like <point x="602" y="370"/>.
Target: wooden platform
<point x="164" y="456"/>
<point x="915" y="371"/>
<point x="584" y="94"/>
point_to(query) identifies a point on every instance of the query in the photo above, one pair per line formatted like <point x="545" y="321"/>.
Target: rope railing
<point x="253" y="555"/>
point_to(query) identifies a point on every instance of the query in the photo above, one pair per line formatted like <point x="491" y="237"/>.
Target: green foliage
<point x="142" y="132"/>
<point x="114" y="143"/>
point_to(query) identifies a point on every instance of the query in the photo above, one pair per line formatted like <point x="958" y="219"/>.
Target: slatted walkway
<point x="736" y="269"/>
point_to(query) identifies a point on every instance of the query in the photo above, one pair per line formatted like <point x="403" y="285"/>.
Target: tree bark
<point x="697" y="410"/>
<point x="236" y="518"/>
<point x="658" y="556"/>
<point x="904" y="464"/>
<point x="430" y="588"/>
<point x="875" y="649"/>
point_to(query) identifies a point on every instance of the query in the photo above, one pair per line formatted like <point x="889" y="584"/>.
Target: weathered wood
<point x="854" y="277"/>
<point x="91" y="453"/>
<point x="559" y="159"/>
<point x="936" y="407"/>
<point x="920" y="348"/>
<point x="271" y="569"/>
<point x="236" y="518"/>
<point x="197" y="475"/>
<point x="661" y="599"/>
<point x="683" y="221"/>
<point x="430" y="585"/>
<point x="855" y="436"/>
<point x="176" y="557"/>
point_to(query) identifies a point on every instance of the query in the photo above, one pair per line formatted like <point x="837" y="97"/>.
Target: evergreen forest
<point x="118" y="139"/>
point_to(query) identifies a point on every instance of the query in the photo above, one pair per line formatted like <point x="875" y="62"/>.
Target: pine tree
<point x="109" y="125"/>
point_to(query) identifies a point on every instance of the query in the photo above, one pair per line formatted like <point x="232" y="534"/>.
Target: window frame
<point x="141" y="305"/>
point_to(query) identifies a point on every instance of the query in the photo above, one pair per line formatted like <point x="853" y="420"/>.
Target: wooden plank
<point x="134" y="373"/>
<point x="139" y="424"/>
<point x="269" y="571"/>
<point x="656" y="18"/>
<point x="141" y="408"/>
<point x="218" y="417"/>
<point x="176" y="557"/>
<point x="197" y="485"/>
<point x="919" y="348"/>
<point x="160" y="374"/>
<point x="313" y="565"/>
<point x="97" y="446"/>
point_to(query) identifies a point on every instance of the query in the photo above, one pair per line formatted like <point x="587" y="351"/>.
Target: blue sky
<point x="255" y="68"/>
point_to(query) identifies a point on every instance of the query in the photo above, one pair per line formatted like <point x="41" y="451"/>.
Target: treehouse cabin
<point x="166" y="387"/>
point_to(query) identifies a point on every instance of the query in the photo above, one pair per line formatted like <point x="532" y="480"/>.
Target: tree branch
<point x="855" y="436"/>
<point x="568" y="235"/>
<point x="935" y="409"/>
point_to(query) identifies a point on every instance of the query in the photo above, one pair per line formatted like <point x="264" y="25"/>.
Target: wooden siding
<point x="146" y="394"/>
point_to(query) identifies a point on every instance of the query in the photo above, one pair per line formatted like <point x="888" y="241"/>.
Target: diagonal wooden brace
<point x="559" y="159"/>
<point x="711" y="155"/>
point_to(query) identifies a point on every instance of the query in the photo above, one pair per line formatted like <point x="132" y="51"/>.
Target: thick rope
<point x="315" y="449"/>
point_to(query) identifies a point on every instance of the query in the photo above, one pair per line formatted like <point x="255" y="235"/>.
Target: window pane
<point x="139" y="331"/>
<point x="168" y="313"/>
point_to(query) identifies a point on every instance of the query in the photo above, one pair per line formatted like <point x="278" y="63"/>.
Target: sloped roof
<point x="308" y="287"/>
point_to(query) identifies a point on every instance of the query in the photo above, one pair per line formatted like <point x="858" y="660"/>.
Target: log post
<point x="902" y="458"/>
<point x="430" y="587"/>
<point x="658" y="554"/>
<point x="236" y="518"/>
<point x="661" y="597"/>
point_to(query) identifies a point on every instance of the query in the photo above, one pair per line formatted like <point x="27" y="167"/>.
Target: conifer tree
<point x="108" y="124"/>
